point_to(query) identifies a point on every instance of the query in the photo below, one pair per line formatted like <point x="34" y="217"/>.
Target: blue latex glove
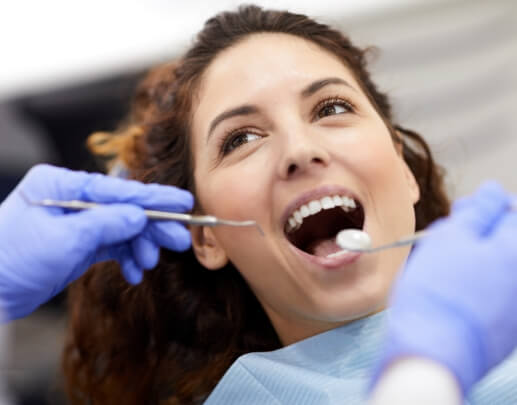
<point x="455" y="301"/>
<point x="43" y="249"/>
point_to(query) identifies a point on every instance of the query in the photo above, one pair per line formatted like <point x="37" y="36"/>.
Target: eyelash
<point x="232" y="135"/>
<point x="336" y="100"/>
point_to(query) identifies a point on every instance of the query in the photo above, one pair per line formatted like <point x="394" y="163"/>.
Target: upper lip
<point x="315" y="194"/>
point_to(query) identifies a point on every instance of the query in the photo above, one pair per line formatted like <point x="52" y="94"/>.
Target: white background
<point x="59" y="41"/>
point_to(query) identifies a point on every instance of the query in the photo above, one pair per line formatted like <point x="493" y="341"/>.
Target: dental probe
<point x="355" y="240"/>
<point x="199" y="220"/>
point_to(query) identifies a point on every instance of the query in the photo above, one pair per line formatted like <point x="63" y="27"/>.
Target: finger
<point x="105" y="189"/>
<point x="171" y="235"/>
<point x="106" y="225"/>
<point x="483" y="210"/>
<point x="145" y="252"/>
<point x="122" y="253"/>
<point x="461" y="203"/>
<point x="47" y="181"/>
<point x="130" y="270"/>
<point x="505" y="235"/>
<point x="438" y="224"/>
<point x="488" y="188"/>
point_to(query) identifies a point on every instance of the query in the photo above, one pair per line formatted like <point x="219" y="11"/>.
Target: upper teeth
<point x="315" y="206"/>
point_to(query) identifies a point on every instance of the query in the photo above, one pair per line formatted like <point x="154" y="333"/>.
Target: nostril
<point x="317" y="160"/>
<point x="291" y="169"/>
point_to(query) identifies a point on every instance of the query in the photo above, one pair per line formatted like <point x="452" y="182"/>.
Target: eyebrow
<point x="242" y="110"/>
<point x="251" y="109"/>
<point x="319" y="84"/>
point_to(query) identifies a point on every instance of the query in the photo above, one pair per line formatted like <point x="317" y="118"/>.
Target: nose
<point x="301" y="154"/>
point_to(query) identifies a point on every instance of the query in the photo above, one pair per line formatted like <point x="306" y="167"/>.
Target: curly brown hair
<point x="171" y="338"/>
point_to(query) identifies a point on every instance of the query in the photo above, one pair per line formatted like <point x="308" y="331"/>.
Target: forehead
<point x="263" y="65"/>
<point x="272" y="52"/>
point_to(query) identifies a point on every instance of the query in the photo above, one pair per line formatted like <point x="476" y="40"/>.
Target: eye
<point x="333" y="107"/>
<point x="237" y="139"/>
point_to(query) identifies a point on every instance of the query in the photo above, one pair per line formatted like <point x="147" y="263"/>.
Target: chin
<point x="351" y="305"/>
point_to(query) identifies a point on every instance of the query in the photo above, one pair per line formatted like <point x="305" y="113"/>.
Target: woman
<point x="273" y="117"/>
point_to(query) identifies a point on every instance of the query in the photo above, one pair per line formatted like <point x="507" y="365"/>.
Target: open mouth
<point x="313" y="227"/>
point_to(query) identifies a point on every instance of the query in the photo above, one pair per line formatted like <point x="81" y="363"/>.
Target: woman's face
<point x="281" y="129"/>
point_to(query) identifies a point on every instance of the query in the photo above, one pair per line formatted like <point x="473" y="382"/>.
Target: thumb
<point x="481" y="212"/>
<point x="106" y="225"/>
<point x="505" y="237"/>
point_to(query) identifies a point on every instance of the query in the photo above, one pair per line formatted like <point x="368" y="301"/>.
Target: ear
<point x="207" y="249"/>
<point x="414" y="189"/>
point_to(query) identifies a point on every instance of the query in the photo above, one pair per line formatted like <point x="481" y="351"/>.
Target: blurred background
<point x="69" y="68"/>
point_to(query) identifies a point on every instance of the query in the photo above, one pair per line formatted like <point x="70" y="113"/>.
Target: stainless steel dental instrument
<point x="199" y="220"/>
<point x="408" y="240"/>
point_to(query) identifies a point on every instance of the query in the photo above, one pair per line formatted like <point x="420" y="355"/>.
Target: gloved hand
<point x="454" y="303"/>
<point x="43" y="249"/>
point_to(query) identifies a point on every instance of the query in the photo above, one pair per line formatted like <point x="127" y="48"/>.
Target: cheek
<point x="238" y="193"/>
<point x="375" y="162"/>
<point x="368" y="151"/>
<point x="234" y="193"/>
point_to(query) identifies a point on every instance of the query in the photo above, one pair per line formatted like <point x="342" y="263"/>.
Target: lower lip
<point x="328" y="263"/>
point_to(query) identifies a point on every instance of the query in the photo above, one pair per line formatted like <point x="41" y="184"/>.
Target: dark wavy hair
<point x="170" y="339"/>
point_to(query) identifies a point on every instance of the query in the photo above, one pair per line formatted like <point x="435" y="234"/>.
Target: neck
<point x="291" y="330"/>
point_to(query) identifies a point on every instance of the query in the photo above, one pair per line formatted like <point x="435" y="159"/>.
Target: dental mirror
<point x="350" y="239"/>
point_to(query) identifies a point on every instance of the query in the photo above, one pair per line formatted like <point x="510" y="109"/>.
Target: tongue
<point x="323" y="247"/>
